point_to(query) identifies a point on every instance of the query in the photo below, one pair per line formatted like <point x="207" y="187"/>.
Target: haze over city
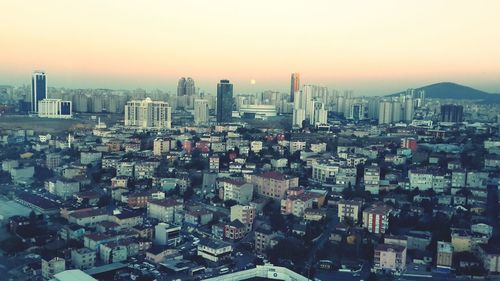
<point x="371" y="47"/>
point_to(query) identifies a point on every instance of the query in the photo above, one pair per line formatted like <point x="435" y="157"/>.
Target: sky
<point x="371" y="47"/>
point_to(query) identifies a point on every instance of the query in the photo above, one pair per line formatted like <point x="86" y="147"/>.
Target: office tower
<point x="200" y="111"/>
<point x="295" y="85"/>
<point x="409" y="108"/>
<point x="224" y="101"/>
<point x="148" y="114"/>
<point x="186" y="92"/>
<point x="38" y="89"/>
<point x="54" y="108"/>
<point x="385" y="112"/>
<point x="452" y="113"/>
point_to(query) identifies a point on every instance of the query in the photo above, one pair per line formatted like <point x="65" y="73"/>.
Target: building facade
<point x="224" y="101"/>
<point x="148" y="114"/>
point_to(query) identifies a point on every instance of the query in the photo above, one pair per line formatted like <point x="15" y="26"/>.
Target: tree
<point x="32" y="217"/>
<point x="229" y="203"/>
<point x="42" y="173"/>
<point x="188" y="193"/>
<point x="104" y="201"/>
<point x="277" y="221"/>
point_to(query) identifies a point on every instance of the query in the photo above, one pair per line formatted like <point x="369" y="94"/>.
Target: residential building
<point x="274" y="184"/>
<point x="148" y="114"/>
<point x="161" y="146"/>
<point x="201" y="110"/>
<point x="214" y="250"/>
<point x="490" y="257"/>
<point x="297" y="204"/>
<point x="52" y="265"/>
<point x="163" y="209"/>
<point x="236" y="189"/>
<point x="372" y="179"/>
<point x="167" y="234"/>
<point x="245" y="214"/>
<point x="376" y="218"/>
<point x="349" y="209"/>
<point x="83" y="258"/>
<point x="390" y="258"/>
<point x="452" y="113"/>
<point x="444" y="256"/>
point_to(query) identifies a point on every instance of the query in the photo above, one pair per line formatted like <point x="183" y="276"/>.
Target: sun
<point x="252" y="81"/>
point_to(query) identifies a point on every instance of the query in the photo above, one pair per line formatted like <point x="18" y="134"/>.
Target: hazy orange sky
<point x="372" y="47"/>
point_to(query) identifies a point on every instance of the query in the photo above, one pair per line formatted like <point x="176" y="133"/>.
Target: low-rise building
<point x="444" y="256"/>
<point x="83" y="258"/>
<point x="349" y="209"/>
<point x="376" y="218"/>
<point x="236" y="189"/>
<point x="214" y="250"/>
<point x="164" y="210"/>
<point x="390" y="258"/>
<point x="52" y="265"/>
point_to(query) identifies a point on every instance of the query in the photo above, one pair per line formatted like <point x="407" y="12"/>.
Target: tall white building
<point x="409" y="108"/>
<point x="385" y="112"/>
<point x="148" y="114"/>
<point x="201" y="111"/>
<point x="397" y="114"/>
<point x="299" y="115"/>
<point x="319" y="115"/>
<point x="54" y="108"/>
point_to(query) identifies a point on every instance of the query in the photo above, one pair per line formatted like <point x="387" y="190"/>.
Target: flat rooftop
<point x="9" y="208"/>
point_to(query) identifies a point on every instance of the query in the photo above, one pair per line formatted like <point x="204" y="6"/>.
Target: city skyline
<point x="383" y="48"/>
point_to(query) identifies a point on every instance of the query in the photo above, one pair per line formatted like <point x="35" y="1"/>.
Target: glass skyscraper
<point x="38" y="89"/>
<point x="224" y="101"/>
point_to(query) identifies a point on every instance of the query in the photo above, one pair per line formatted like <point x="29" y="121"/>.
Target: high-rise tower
<point x="38" y="89"/>
<point x="224" y="101"/>
<point x="295" y="85"/>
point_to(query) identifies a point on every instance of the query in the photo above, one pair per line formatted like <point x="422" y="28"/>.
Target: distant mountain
<point x="449" y="90"/>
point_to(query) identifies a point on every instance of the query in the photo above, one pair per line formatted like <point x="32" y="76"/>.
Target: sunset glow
<point x="384" y="45"/>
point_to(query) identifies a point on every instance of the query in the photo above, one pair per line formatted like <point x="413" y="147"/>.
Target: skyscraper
<point x="38" y="89"/>
<point x="295" y="85"/>
<point x="224" y="101"/>
<point x="200" y="111"/>
<point x="186" y="92"/>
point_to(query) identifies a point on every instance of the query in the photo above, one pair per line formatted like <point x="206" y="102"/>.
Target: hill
<point x="449" y="90"/>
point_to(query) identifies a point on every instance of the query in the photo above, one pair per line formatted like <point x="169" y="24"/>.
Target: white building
<point x="201" y="111"/>
<point x="166" y="234"/>
<point x="148" y="114"/>
<point x="55" y="108"/>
